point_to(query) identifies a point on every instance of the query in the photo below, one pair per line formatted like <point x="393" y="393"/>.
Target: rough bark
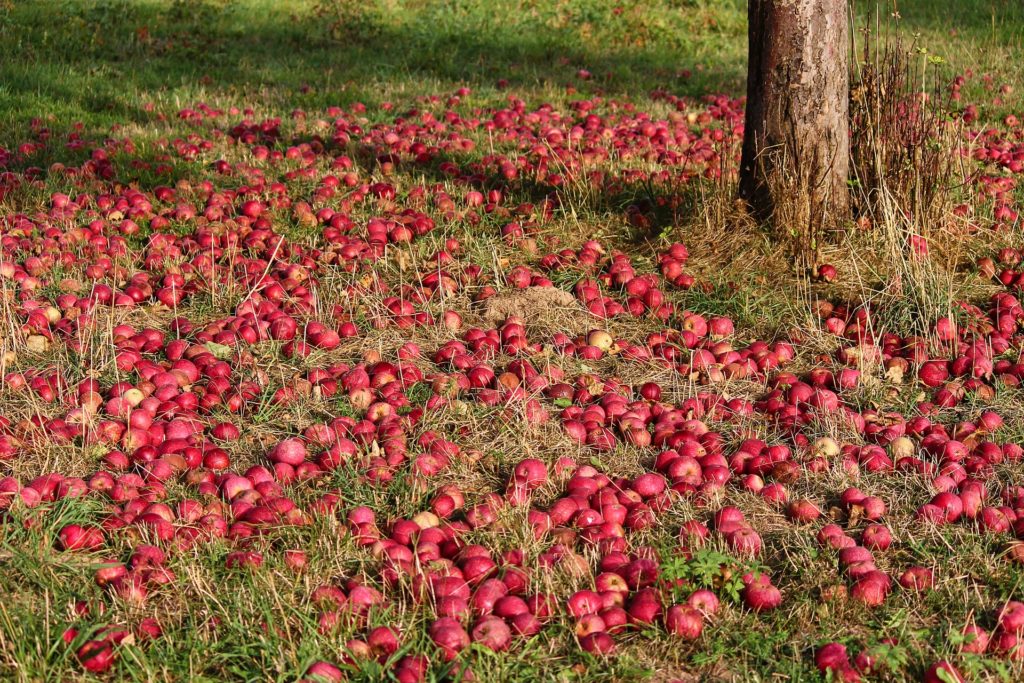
<point x="796" y="142"/>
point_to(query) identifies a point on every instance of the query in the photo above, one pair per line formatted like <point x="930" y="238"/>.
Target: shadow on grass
<point x="109" y="61"/>
<point x="103" y="61"/>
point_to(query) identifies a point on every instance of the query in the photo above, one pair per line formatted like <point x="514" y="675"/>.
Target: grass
<point x="123" y="69"/>
<point x="112" y="59"/>
<point x="106" y="62"/>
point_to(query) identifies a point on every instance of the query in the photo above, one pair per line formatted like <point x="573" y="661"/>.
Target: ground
<point x="315" y="312"/>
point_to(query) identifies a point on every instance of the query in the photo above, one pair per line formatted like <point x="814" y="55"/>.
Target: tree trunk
<point x="796" y="143"/>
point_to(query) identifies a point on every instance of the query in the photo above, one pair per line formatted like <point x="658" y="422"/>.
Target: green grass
<point x="101" y="62"/>
<point x="112" y="58"/>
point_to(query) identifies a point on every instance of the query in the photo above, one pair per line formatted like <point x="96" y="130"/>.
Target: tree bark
<point x="796" y="143"/>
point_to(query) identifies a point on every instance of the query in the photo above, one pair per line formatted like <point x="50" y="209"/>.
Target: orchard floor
<point x="398" y="340"/>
